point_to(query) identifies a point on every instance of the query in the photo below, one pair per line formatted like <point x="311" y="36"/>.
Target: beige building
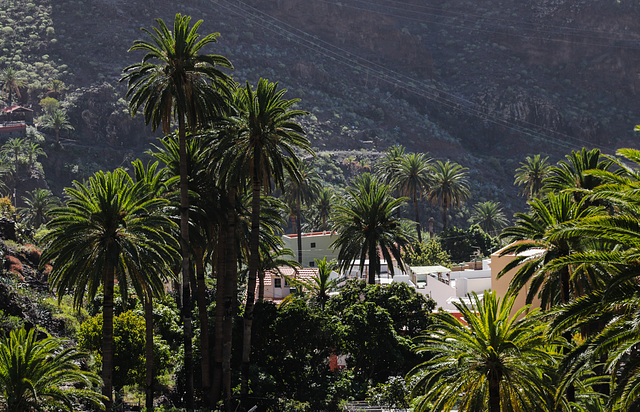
<point x="498" y="263"/>
<point x="314" y="246"/>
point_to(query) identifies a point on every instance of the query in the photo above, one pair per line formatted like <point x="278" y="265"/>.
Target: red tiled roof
<point x="11" y="109"/>
<point x="295" y="236"/>
<point x="303" y="274"/>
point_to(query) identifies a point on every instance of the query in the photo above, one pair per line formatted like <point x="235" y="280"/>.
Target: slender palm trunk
<point x="299" y="227"/>
<point x="417" y="212"/>
<point x="494" y="392"/>
<point x="148" y="320"/>
<point x="184" y="245"/>
<point x="566" y="297"/>
<point x="107" y="337"/>
<point x="219" y="262"/>
<point x="261" y="285"/>
<point x="373" y="255"/>
<point x="204" y="324"/>
<point x="444" y="216"/>
<point x="254" y="262"/>
<point x="230" y="297"/>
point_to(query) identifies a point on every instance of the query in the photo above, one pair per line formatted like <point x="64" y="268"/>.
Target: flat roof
<point x="425" y="270"/>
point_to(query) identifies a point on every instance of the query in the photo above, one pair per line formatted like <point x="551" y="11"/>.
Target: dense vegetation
<point x="234" y="165"/>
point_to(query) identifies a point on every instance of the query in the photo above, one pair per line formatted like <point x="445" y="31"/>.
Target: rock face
<point x="101" y="117"/>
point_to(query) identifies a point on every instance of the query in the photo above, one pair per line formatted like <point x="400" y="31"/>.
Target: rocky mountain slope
<point x="480" y="82"/>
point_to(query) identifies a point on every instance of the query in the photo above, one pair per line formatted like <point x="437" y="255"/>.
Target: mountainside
<point x="482" y="82"/>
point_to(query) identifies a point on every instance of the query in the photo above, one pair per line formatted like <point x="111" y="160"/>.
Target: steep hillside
<point x="481" y="82"/>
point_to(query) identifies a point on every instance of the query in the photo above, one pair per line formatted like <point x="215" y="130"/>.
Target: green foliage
<point x="463" y="245"/>
<point x="37" y="374"/>
<point x="394" y="393"/>
<point x="427" y="253"/>
<point x="129" y="347"/>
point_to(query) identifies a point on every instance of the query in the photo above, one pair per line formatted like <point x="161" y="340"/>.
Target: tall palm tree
<point x="449" y="186"/>
<point x="11" y="83"/>
<point x="265" y="147"/>
<point x="531" y="175"/>
<point x="324" y="203"/>
<point x="388" y="167"/>
<point x="39" y="203"/>
<point x="413" y="179"/>
<point x="299" y="191"/>
<point x="43" y="373"/>
<point x="488" y="361"/>
<point x="111" y="228"/>
<point x="489" y="216"/>
<point x="13" y="148"/>
<point x="367" y="222"/>
<point x="33" y="151"/>
<point x="175" y="80"/>
<point x="56" y="121"/>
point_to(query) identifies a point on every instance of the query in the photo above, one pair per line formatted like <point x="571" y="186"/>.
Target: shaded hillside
<point x="483" y="82"/>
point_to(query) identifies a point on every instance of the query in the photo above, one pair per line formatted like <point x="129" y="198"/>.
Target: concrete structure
<point x="13" y="130"/>
<point x="314" y="246"/>
<point x="498" y="263"/>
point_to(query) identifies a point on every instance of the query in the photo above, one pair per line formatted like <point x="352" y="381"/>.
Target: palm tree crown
<point x="366" y="221"/>
<point x="413" y="179"/>
<point x="492" y="361"/>
<point x="531" y="175"/>
<point x="449" y="187"/>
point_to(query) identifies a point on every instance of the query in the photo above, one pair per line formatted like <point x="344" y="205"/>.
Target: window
<point x="313" y="244"/>
<point x="312" y="264"/>
<point x="277" y="282"/>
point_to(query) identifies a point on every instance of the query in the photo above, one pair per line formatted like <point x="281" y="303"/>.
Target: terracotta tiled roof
<point x="11" y="109"/>
<point x="303" y="274"/>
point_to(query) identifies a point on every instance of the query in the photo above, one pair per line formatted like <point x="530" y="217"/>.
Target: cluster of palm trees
<point x="576" y="251"/>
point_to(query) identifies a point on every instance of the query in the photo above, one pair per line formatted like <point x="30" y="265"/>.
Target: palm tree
<point x="321" y="284"/>
<point x="264" y="148"/>
<point x="413" y="179"/>
<point x="43" y="373"/>
<point x="299" y="191"/>
<point x="488" y="361"/>
<point x="34" y="151"/>
<point x="110" y="228"/>
<point x="388" y="167"/>
<point x="11" y="83"/>
<point x="531" y="175"/>
<point x="449" y="187"/>
<point x="324" y="202"/>
<point x="367" y="222"/>
<point x="56" y="121"/>
<point x="13" y="148"/>
<point x="175" y="81"/>
<point x="489" y="216"/>
<point x="536" y="247"/>
<point x="39" y="203"/>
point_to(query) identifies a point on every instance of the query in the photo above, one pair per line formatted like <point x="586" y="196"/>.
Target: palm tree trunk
<point x="494" y="392"/>
<point x="184" y="246"/>
<point x="417" y="212"/>
<point x="148" y="320"/>
<point x="230" y="297"/>
<point x="254" y="262"/>
<point x="204" y="324"/>
<point x="444" y="216"/>
<point x="107" y="337"/>
<point x="373" y="254"/>
<point x="216" y="387"/>
<point x="261" y="285"/>
<point x="299" y="227"/>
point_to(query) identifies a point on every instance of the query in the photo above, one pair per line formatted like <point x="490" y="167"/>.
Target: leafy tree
<point x="56" y="121"/>
<point x="39" y="203"/>
<point x="33" y="151"/>
<point x="449" y="187"/>
<point x="109" y="229"/>
<point x="492" y="361"/>
<point x="430" y="253"/>
<point x="412" y="179"/>
<point x="13" y="148"/>
<point x="49" y="105"/>
<point x="531" y="175"/>
<point x="489" y="216"/>
<point x="129" y="347"/>
<point x="41" y="373"/>
<point x="175" y="80"/>
<point x="388" y="167"/>
<point x="366" y="223"/>
<point x="463" y="245"/>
